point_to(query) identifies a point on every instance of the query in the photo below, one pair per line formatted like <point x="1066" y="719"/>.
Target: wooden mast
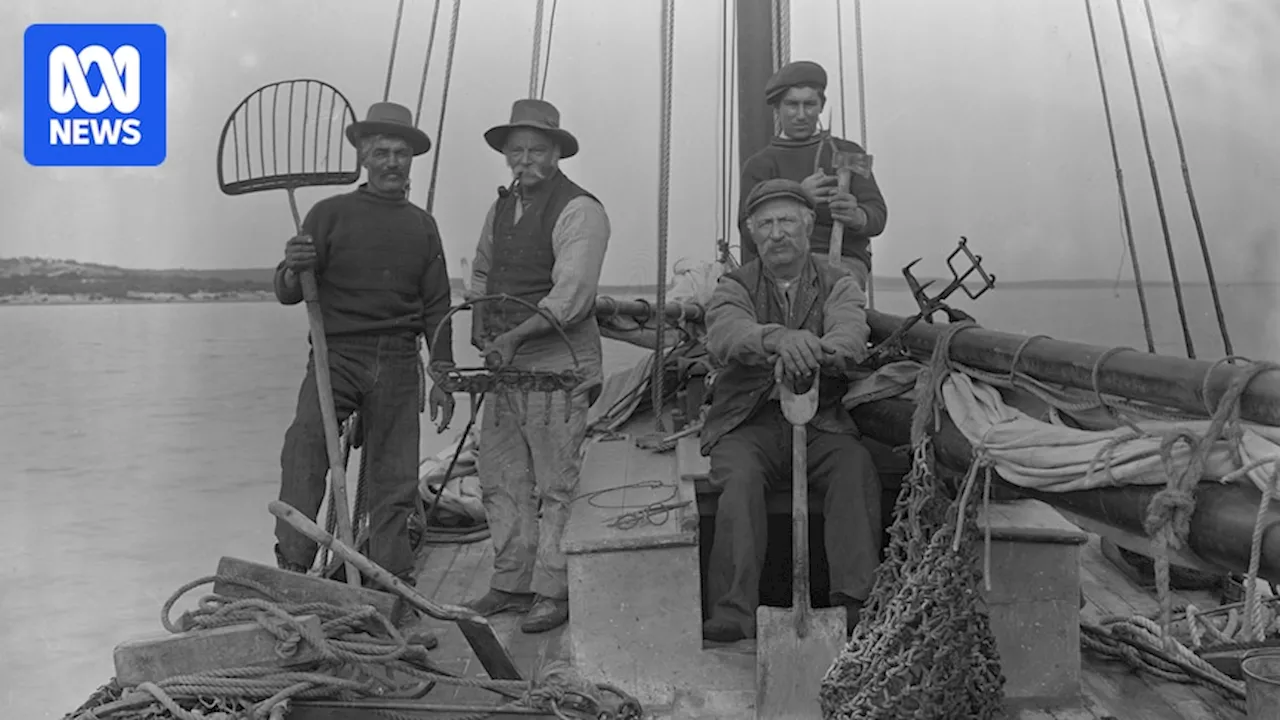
<point x="755" y="66"/>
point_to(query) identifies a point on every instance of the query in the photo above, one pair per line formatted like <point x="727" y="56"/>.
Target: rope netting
<point x="924" y="647"/>
<point x="363" y="656"/>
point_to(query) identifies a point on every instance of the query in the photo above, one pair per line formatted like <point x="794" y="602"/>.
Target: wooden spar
<point x="1165" y="380"/>
<point x="1221" y="526"/>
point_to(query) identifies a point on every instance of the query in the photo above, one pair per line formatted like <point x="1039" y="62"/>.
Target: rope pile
<point x="363" y="656"/>
<point x="1141" y="643"/>
<point x="924" y="647"/>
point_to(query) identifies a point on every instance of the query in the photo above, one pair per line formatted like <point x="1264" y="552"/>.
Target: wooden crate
<point x="1034" y="601"/>
<point x="635" y="594"/>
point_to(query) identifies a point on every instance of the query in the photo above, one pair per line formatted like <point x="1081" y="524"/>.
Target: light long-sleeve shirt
<point x="579" y="239"/>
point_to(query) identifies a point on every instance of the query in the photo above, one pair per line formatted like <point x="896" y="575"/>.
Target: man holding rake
<point x="383" y="280"/>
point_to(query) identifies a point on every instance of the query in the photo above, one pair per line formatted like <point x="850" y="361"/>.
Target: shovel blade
<point x="791" y="661"/>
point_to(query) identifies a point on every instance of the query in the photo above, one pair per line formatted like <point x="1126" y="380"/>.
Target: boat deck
<point x="1111" y="690"/>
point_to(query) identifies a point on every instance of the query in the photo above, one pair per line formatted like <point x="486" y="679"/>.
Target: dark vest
<point x="740" y="391"/>
<point x="522" y="257"/>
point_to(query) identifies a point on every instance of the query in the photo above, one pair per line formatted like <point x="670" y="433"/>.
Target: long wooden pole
<point x="1174" y="382"/>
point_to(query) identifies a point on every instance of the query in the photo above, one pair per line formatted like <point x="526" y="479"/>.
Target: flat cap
<point x="801" y="72"/>
<point x="775" y="189"/>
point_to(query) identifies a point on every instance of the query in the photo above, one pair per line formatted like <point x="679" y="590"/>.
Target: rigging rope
<point x="1124" y="200"/>
<point x="862" y="83"/>
<point x="444" y="102"/>
<point x="1186" y="179"/>
<point x="1155" y="184"/>
<point x="546" y="66"/>
<point x="395" y="42"/>
<point x="426" y="63"/>
<point x="862" y="121"/>
<point x="718" y="123"/>
<point x="535" y="61"/>
<point x="844" y="126"/>
<point x="664" y="191"/>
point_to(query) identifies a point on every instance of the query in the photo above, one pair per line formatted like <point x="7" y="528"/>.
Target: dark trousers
<point x="377" y="375"/>
<point x="754" y="459"/>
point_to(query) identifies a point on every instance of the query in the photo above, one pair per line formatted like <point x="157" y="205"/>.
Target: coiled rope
<point x="360" y="650"/>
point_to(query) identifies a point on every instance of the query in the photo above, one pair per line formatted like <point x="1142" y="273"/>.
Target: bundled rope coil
<point x="924" y="648"/>
<point x="363" y="656"/>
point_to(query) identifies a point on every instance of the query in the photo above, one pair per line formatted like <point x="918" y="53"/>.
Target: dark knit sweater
<point x="796" y="160"/>
<point x="380" y="268"/>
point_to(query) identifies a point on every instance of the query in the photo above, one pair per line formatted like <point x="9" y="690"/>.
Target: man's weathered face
<point x="531" y="155"/>
<point x="781" y="230"/>
<point x="799" y="109"/>
<point x="388" y="160"/>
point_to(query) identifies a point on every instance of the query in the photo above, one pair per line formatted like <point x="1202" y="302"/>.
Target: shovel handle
<point x="800" y="527"/>
<point x="324" y="388"/>
<point x="843" y="177"/>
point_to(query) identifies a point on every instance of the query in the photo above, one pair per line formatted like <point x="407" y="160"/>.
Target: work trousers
<point x="755" y="458"/>
<point x="529" y="463"/>
<point x="377" y="375"/>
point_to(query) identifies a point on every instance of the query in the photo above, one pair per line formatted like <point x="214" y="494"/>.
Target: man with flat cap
<point x="543" y="240"/>
<point x="383" y="282"/>
<point x="804" y="152"/>
<point x="785" y="316"/>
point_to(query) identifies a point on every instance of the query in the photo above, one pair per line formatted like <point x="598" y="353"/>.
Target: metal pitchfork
<point x="297" y="122"/>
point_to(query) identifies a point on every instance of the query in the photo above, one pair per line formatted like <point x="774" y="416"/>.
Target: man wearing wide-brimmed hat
<point x="543" y="240"/>
<point x="804" y="152"/>
<point x="383" y="282"/>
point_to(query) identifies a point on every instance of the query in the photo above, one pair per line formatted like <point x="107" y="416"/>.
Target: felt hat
<point x="537" y="115"/>
<point x="388" y="118"/>
<point x="774" y="189"/>
<point x="799" y="73"/>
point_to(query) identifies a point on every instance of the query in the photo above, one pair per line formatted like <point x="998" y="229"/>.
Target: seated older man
<point x="786" y="309"/>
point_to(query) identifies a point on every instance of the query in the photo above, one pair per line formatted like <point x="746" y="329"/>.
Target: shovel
<point x="493" y="655"/>
<point x="845" y="164"/>
<point x="264" y="146"/>
<point x="796" y="647"/>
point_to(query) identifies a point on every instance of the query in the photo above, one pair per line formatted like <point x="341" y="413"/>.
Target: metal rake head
<point x="287" y="134"/>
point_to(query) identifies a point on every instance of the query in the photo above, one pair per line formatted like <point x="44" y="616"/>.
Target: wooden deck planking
<point x="455" y="574"/>
<point x="1113" y="687"/>
<point x="1111" y="690"/>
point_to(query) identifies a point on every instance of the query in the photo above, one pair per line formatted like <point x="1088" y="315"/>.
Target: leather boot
<point x="496" y="602"/>
<point x="546" y="614"/>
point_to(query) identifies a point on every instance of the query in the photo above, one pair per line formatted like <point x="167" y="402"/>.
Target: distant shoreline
<point x="622" y="292"/>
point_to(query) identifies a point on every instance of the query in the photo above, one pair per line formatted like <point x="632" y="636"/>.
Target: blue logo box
<point x="94" y="95"/>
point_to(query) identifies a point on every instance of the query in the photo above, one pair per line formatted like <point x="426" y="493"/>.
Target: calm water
<point x="141" y="444"/>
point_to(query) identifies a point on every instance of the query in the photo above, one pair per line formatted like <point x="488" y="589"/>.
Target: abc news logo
<point x="69" y="90"/>
<point x="95" y="95"/>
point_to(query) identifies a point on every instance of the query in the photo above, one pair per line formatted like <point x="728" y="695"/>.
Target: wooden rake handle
<point x="324" y="388"/>
<point x="844" y="176"/>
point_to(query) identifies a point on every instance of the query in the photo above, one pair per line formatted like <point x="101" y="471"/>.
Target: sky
<point x="985" y="120"/>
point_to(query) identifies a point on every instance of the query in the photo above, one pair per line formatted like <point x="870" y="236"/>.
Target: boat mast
<point x="755" y="66"/>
